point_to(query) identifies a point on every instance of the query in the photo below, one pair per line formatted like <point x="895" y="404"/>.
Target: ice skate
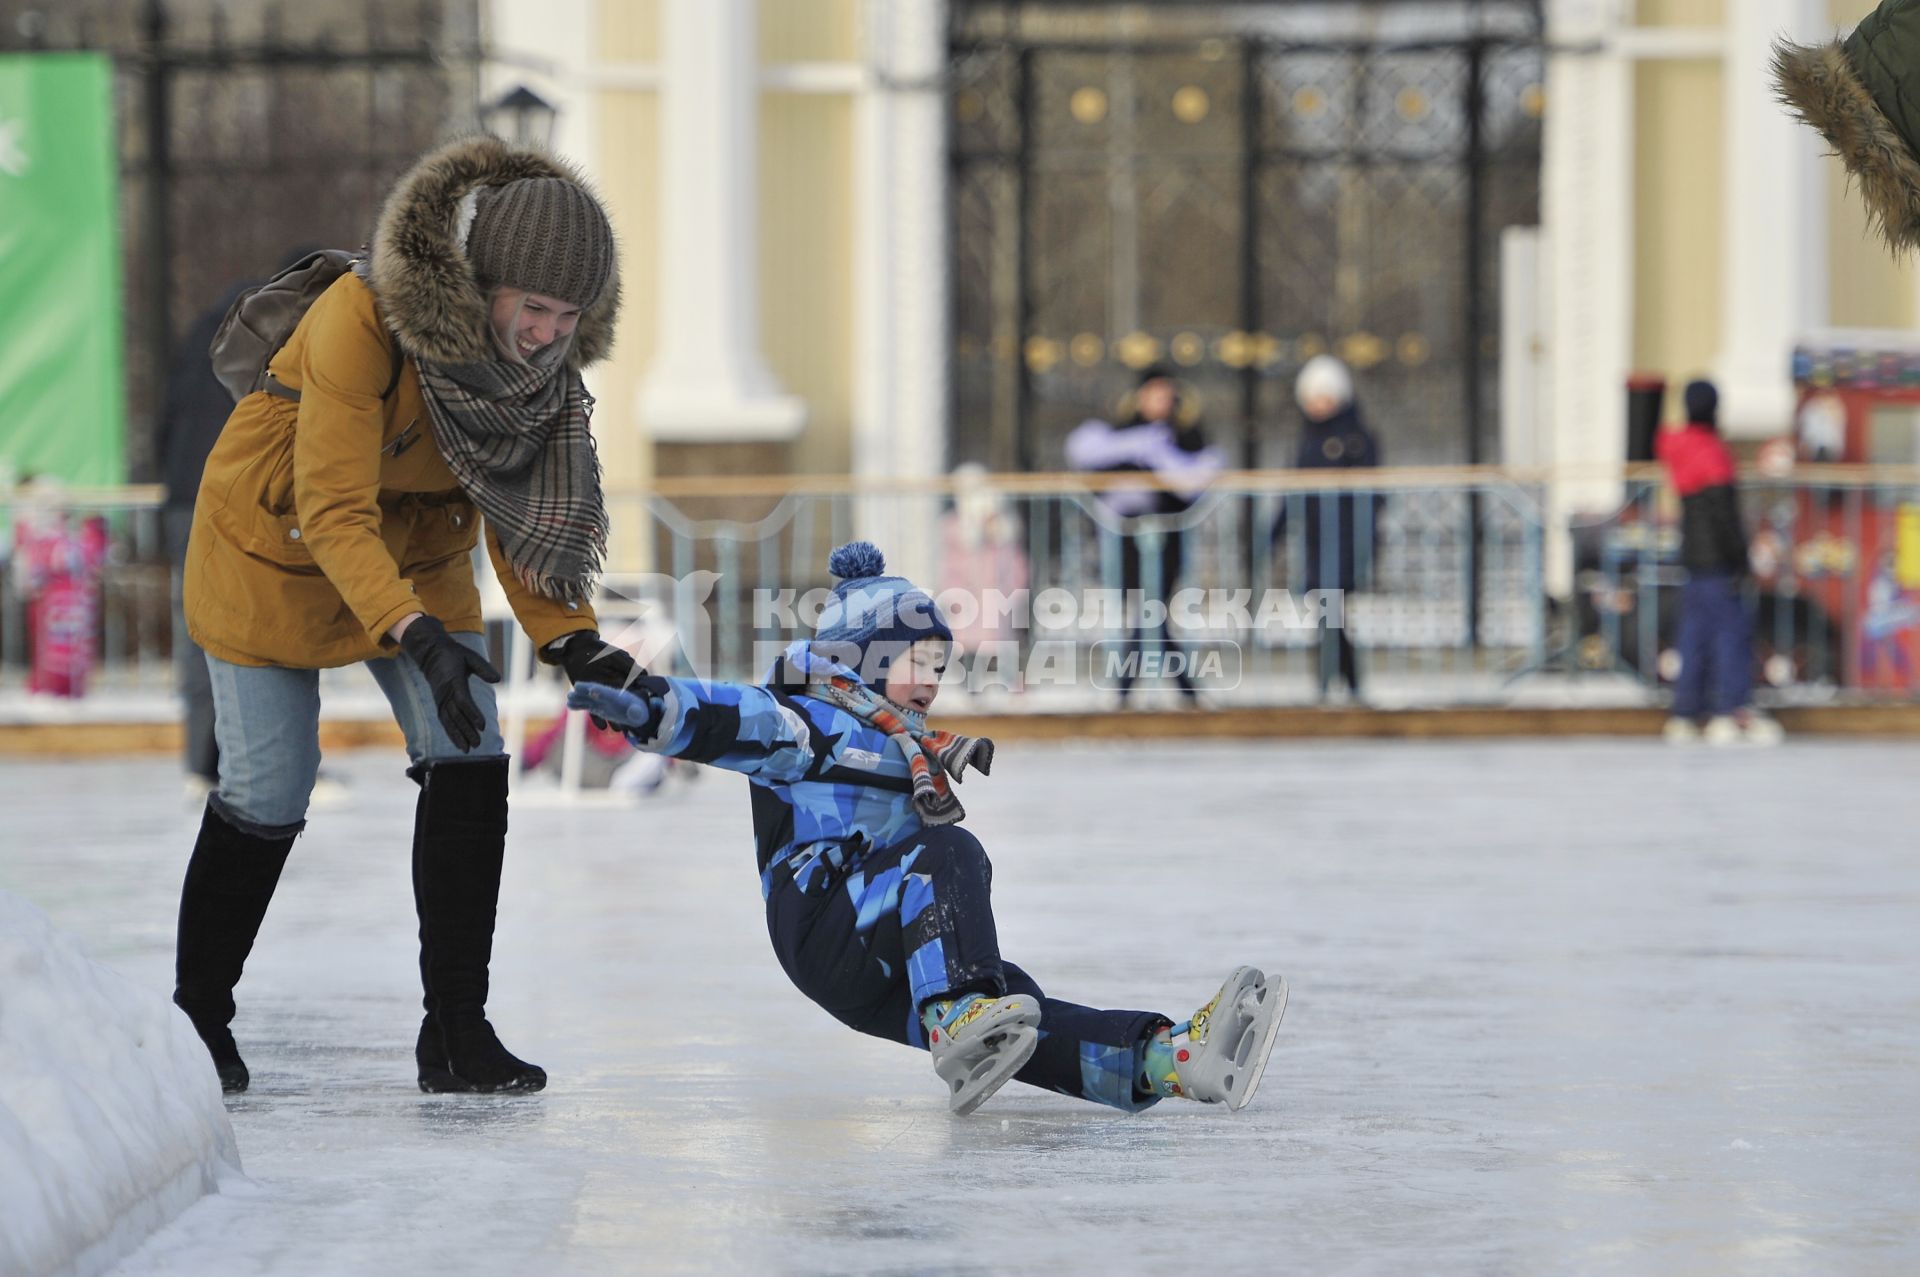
<point x="977" y="1043"/>
<point x="1219" y="1055"/>
<point x="1743" y="727"/>
<point x="1681" y="731"/>
<point x="1758" y="729"/>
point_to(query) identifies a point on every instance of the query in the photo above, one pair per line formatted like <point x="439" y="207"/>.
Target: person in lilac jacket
<point x="1160" y="440"/>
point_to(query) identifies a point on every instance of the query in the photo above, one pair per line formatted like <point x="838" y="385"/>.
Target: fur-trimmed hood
<point x="1847" y="91"/>
<point x="419" y="270"/>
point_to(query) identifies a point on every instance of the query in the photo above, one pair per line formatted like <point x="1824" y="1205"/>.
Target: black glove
<point x="447" y="665"/>
<point x="588" y="658"/>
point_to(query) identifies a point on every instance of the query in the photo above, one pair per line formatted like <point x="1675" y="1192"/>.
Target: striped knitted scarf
<point x="932" y="756"/>
<point x="516" y="437"/>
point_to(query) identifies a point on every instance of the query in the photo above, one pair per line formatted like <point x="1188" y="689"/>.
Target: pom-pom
<point x="856" y="559"/>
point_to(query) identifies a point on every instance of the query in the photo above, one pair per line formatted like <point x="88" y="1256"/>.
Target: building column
<point x="709" y="382"/>
<point x="1587" y="208"/>
<point x="901" y="396"/>
<point x="1774" y="264"/>
<point x="550" y="50"/>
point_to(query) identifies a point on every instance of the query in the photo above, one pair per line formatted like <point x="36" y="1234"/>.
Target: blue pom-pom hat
<point x="869" y="607"/>
<point x="857" y="560"/>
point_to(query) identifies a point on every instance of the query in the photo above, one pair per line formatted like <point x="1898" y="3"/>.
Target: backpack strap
<point x="399" y="364"/>
<point x="363" y="267"/>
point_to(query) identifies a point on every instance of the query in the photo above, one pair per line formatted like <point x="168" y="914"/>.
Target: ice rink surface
<point x="1569" y="1007"/>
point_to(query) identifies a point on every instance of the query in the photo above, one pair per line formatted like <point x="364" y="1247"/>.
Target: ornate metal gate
<point x="249" y="129"/>
<point x="1220" y="187"/>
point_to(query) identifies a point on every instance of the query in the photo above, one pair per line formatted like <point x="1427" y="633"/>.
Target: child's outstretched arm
<point x="731" y="725"/>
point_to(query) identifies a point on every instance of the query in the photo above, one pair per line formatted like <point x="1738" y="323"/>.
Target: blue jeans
<point x="1716" y="647"/>
<point x="267" y="721"/>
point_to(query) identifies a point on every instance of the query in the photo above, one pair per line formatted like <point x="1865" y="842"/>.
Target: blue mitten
<point x="635" y="710"/>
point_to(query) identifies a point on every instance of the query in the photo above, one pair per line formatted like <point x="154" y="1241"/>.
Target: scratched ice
<point x="1557" y="1006"/>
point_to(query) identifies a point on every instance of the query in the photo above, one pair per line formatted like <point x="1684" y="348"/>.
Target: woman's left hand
<point x="588" y="658"/>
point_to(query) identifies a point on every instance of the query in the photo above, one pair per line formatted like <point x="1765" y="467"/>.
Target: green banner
<point x="62" y="398"/>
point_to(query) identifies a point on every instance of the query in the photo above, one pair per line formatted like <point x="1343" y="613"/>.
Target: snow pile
<point x="111" y="1121"/>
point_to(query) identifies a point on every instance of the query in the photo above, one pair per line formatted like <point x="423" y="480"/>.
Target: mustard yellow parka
<point x="321" y="523"/>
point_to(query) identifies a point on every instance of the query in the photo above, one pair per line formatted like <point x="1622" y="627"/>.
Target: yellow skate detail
<point x="1197" y="1026"/>
<point x="975" y="1065"/>
<point x="977" y="1008"/>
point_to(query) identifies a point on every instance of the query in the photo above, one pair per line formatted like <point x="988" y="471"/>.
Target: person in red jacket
<point x="1716" y="638"/>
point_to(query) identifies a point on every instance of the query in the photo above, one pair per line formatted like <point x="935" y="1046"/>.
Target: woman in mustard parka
<point x="431" y="393"/>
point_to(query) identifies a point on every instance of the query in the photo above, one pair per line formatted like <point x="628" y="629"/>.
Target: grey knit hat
<point x="545" y="235"/>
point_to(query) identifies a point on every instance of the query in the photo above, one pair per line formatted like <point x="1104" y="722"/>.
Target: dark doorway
<point x="1233" y="189"/>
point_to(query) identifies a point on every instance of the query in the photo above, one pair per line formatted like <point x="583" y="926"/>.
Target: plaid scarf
<point x="516" y="437"/>
<point x="931" y="756"/>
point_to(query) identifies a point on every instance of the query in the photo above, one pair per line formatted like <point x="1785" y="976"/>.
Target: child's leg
<point x="908" y="924"/>
<point x="940" y="893"/>
<point x="1088" y="1053"/>
<point x="913" y="924"/>
<point x="936" y="887"/>
<point x="906" y="932"/>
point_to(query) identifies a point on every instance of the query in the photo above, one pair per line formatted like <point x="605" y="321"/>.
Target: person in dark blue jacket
<point x="878" y="902"/>
<point x="1337" y="528"/>
<point x="193" y="411"/>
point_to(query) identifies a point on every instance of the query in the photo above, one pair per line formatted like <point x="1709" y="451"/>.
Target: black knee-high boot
<point x="230" y="880"/>
<point x="459" y="842"/>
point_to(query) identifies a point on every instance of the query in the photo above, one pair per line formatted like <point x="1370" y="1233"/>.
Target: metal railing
<point x="105" y="549"/>
<point x="1439" y="570"/>
<point x="1446" y="573"/>
<point x="1834" y="593"/>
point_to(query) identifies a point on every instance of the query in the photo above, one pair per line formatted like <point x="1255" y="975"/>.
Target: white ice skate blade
<point x="1277" y="1000"/>
<point x="1016" y="1047"/>
<point x="990" y="1053"/>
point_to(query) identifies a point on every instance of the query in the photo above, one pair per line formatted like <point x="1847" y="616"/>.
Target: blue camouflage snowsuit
<point x="871" y="914"/>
